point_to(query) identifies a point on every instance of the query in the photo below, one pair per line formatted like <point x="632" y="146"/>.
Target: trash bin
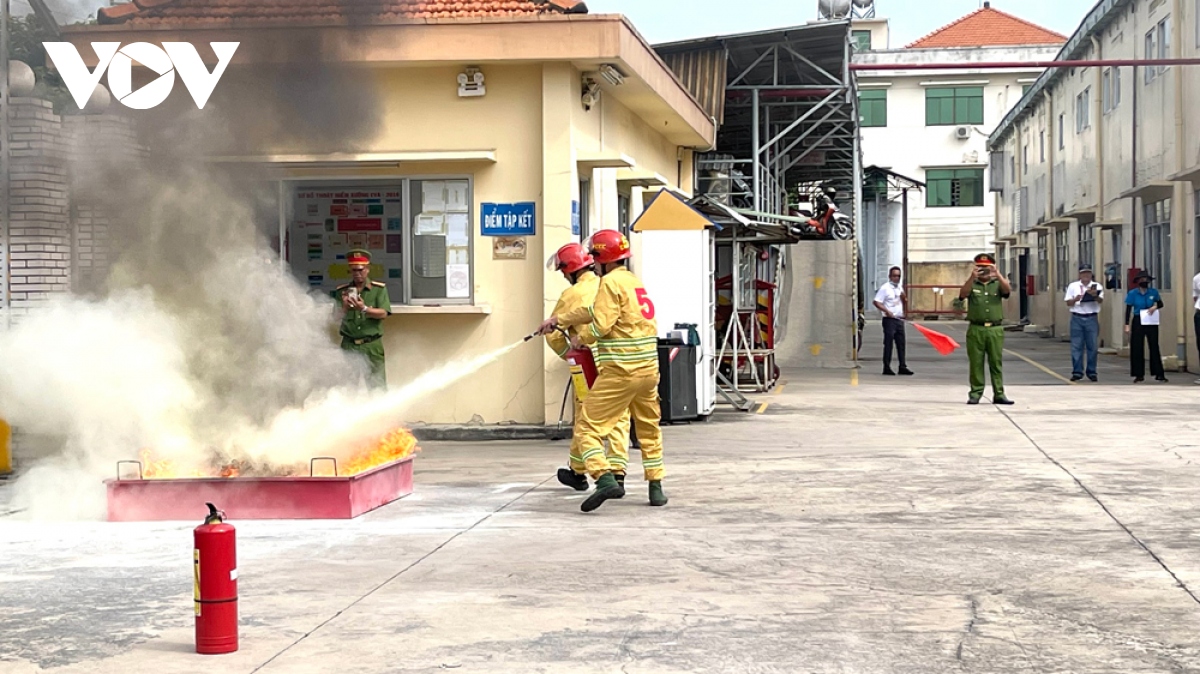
<point x="677" y="381"/>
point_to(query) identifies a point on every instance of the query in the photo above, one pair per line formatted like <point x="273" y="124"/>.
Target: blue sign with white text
<point x="575" y="221"/>
<point x="509" y="219"/>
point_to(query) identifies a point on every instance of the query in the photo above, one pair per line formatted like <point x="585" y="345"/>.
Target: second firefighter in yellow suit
<point x="577" y="266"/>
<point x="621" y="324"/>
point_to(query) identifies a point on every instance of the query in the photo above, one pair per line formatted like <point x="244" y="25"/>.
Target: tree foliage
<point x="26" y="36"/>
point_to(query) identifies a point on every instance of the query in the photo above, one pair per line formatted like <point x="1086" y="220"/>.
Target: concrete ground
<point x="857" y="524"/>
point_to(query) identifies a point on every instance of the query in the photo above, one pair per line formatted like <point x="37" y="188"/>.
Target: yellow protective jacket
<point x="578" y="297"/>
<point x="620" y="323"/>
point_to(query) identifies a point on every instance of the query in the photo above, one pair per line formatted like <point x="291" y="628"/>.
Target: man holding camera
<point x="364" y="305"/>
<point x="984" y="293"/>
<point x="1084" y="298"/>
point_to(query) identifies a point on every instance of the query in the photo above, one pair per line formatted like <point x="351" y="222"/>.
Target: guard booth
<point x="677" y="263"/>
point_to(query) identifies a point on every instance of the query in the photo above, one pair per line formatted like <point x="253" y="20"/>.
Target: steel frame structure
<point x="791" y="122"/>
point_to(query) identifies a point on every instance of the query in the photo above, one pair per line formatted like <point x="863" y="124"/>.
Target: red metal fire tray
<point x="260" y="498"/>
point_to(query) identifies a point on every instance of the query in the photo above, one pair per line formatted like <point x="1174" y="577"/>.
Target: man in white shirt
<point x="891" y="300"/>
<point x="1084" y="298"/>
<point x="1196" y="316"/>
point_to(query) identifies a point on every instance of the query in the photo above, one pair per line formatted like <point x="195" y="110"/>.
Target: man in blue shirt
<point x="1142" y="316"/>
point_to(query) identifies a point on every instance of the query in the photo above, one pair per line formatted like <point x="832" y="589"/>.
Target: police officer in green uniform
<point x="984" y="293"/>
<point x="365" y="304"/>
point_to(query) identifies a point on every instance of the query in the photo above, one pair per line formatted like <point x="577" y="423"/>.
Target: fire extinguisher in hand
<point x="583" y="367"/>
<point x="215" y="564"/>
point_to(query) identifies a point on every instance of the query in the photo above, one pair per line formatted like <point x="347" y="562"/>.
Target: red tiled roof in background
<point x="316" y="12"/>
<point x="988" y="27"/>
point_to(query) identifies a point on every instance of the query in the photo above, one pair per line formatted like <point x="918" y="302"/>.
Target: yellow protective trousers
<point x="617" y="441"/>
<point x="617" y="394"/>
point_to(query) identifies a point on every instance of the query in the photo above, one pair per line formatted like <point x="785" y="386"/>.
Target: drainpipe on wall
<point x="1133" y="163"/>
<point x="1179" y="261"/>
<point x="1099" y="101"/>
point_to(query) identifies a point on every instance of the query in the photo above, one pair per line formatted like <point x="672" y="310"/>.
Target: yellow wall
<point x="533" y="119"/>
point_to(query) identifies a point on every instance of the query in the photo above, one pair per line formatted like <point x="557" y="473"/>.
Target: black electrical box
<point x="677" y="382"/>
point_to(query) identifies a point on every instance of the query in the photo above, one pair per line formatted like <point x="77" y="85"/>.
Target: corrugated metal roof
<point x="704" y="73"/>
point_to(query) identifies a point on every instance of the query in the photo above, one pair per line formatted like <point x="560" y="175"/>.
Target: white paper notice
<point x="433" y="196"/>
<point x="1151" y="318"/>
<point x="458" y="281"/>
<point x="456" y="196"/>
<point x="458" y="223"/>
<point x="431" y="225"/>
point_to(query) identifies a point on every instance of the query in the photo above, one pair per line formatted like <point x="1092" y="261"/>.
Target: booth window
<point x="947" y="106"/>
<point x="418" y="231"/>
<point x="954" y="187"/>
<point x="1158" y="242"/>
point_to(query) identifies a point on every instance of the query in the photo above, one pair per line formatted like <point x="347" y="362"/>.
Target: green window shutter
<point x="939" y="106"/>
<point x="873" y="107"/>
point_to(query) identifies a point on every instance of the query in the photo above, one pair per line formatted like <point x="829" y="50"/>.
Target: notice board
<point x="327" y="223"/>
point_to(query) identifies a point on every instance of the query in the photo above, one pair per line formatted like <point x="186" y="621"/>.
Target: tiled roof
<point x="321" y="12"/>
<point x="988" y="27"/>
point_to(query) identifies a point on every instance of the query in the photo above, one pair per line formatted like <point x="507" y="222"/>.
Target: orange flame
<point x="396" y="445"/>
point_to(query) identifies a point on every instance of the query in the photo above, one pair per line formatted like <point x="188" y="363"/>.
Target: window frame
<point x="1156" y="231"/>
<point x="1151" y="51"/>
<point x="1164" y="42"/>
<point x="961" y="110"/>
<point x="856" y="42"/>
<point x="1043" y="262"/>
<point x="1062" y="130"/>
<point x="1087" y="246"/>
<point x="1062" y="258"/>
<point x="873" y="104"/>
<point x="404" y="184"/>
<point x="1083" y="111"/>
<point x="932" y="191"/>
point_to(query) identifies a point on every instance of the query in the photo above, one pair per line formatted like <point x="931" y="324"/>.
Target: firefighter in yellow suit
<point x="576" y="265"/>
<point x="621" y="324"/>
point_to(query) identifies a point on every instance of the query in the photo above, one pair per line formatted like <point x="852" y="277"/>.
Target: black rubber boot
<point x="606" y="487"/>
<point x="657" y="497"/>
<point x="572" y="479"/>
<point x="621" y="481"/>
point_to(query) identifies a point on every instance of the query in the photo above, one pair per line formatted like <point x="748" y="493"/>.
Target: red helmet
<point x="570" y="259"/>
<point x="608" y="246"/>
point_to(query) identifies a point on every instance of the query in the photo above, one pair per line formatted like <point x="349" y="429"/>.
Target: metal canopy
<point x="876" y="178"/>
<point x="791" y="117"/>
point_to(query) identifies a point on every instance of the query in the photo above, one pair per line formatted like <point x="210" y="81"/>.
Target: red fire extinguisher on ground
<point x="215" y="564"/>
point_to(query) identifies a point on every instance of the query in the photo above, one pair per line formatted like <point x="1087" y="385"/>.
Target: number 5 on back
<point x="646" y="304"/>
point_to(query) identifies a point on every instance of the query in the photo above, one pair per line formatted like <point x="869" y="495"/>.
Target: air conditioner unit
<point x="962" y="132"/>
